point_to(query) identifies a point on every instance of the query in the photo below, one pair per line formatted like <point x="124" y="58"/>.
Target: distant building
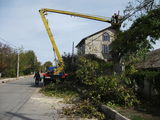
<point x="151" y="61"/>
<point x="97" y="44"/>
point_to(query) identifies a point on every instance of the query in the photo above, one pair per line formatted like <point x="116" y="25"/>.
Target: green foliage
<point x="9" y="73"/>
<point x="84" y="110"/>
<point x="152" y="76"/>
<point x="46" y="65"/>
<point x="8" y="58"/>
<point x="89" y="68"/>
<point x="135" y="117"/>
<point x="118" y="89"/>
<point x="148" y="25"/>
<point x="139" y="37"/>
<point x="90" y="74"/>
<point x="101" y="88"/>
<point x="28" y="62"/>
<point x="147" y="74"/>
<point x="87" y="71"/>
<point x="112" y="105"/>
<point x="64" y="90"/>
<point x="8" y="61"/>
<point x="73" y="63"/>
<point x="70" y="62"/>
<point x="112" y="89"/>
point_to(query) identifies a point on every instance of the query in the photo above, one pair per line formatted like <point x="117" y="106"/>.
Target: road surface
<point x="20" y="100"/>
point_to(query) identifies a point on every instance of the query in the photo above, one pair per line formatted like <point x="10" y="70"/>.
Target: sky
<point x="21" y="24"/>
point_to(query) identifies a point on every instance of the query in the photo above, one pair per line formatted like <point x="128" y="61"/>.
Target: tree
<point x="7" y="60"/>
<point x="28" y="62"/>
<point x="138" y="8"/>
<point x="143" y="32"/>
<point x="46" y="65"/>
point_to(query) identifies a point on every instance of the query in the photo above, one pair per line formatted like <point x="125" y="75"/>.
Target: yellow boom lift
<point x="115" y="21"/>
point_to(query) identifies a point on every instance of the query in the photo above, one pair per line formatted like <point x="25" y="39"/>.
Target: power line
<point x="4" y="40"/>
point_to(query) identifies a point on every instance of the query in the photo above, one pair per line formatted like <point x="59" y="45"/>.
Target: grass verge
<point x="135" y="114"/>
<point x="64" y="91"/>
<point x="79" y="108"/>
<point x="84" y="109"/>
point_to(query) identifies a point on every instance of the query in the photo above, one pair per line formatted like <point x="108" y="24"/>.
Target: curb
<point x="109" y="112"/>
<point x="12" y="79"/>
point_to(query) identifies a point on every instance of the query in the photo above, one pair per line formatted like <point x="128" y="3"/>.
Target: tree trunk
<point x="118" y="66"/>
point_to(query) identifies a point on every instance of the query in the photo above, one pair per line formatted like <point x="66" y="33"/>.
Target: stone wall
<point x="93" y="44"/>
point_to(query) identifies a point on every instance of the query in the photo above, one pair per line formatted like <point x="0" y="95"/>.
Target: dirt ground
<point x="137" y="115"/>
<point x="49" y="106"/>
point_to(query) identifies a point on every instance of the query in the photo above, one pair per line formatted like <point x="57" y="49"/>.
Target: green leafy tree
<point x="8" y="57"/>
<point x="141" y="35"/>
<point x="46" y="65"/>
<point x="28" y="62"/>
<point x="8" y="61"/>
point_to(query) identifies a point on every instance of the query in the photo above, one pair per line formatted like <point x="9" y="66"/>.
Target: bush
<point x="9" y="73"/>
<point x="90" y="73"/>
<point x="101" y="88"/>
<point x="89" y="68"/>
<point x="87" y="71"/>
<point x="154" y="79"/>
<point x="110" y="89"/>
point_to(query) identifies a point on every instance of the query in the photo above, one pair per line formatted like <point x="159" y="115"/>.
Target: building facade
<point x="97" y="44"/>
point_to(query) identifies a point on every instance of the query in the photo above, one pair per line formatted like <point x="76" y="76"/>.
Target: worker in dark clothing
<point x="115" y="18"/>
<point x="37" y="78"/>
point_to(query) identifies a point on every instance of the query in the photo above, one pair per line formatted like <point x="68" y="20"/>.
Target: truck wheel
<point x="44" y="82"/>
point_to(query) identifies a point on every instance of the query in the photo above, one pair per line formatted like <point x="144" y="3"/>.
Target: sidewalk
<point x="12" y="79"/>
<point x="40" y="107"/>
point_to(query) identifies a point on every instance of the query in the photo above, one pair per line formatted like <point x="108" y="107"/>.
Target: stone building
<point x="97" y="43"/>
<point x="150" y="63"/>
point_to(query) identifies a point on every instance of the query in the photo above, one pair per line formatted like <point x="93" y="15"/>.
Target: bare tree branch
<point x="139" y="8"/>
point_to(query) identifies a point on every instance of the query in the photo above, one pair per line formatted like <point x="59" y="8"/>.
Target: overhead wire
<point x="4" y="40"/>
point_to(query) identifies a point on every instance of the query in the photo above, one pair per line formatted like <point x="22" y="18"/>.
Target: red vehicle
<point x="58" y="72"/>
<point x="50" y="77"/>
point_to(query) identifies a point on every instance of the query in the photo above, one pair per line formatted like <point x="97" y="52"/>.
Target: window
<point x="105" y="49"/>
<point x="106" y="37"/>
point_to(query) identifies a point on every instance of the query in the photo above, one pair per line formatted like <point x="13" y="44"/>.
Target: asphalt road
<point x="13" y="96"/>
<point x="21" y="100"/>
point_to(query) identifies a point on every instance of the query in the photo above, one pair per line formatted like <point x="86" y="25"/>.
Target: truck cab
<point x="51" y="77"/>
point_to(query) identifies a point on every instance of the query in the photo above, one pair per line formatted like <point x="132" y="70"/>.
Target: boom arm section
<point x="114" y="21"/>
<point x="55" y="49"/>
<point x="98" y="18"/>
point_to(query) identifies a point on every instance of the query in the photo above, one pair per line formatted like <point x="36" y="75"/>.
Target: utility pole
<point x="73" y="52"/>
<point x="18" y="65"/>
<point x="73" y="49"/>
<point x="18" y="52"/>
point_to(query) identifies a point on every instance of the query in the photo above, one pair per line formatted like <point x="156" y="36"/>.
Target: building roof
<point x="93" y="35"/>
<point x="152" y="60"/>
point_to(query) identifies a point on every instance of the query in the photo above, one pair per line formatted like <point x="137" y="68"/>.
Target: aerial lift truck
<point x="58" y="71"/>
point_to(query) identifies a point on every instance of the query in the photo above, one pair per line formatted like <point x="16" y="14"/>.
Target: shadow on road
<point x="38" y="86"/>
<point x="30" y="84"/>
<point x="19" y="116"/>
